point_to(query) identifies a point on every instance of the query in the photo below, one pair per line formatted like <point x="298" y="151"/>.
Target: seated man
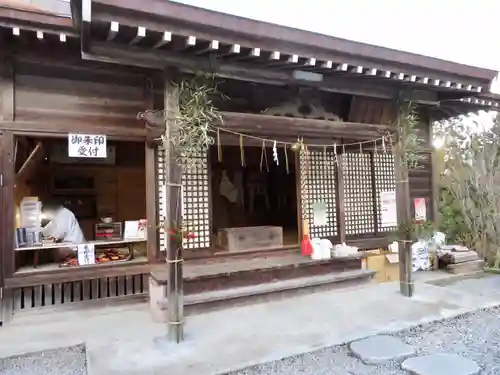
<point x="63" y="226"/>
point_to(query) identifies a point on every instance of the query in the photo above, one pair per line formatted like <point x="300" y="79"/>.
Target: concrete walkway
<point x="123" y="339"/>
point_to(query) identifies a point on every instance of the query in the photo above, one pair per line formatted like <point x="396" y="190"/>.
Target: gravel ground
<point x="65" y="361"/>
<point x="475" y="336"/>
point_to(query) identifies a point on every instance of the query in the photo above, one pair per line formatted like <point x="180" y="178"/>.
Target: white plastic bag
<point x="420" y="256"/>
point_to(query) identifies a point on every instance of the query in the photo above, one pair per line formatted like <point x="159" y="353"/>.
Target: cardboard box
<point x="384" y="263"/>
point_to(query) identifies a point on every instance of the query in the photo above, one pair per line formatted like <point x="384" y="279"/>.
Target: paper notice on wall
<point x="420" y="209"/>
<point x="320" y="214"/>
<point x="86" y="254"/>
<point x="87" y="146"/>
<point x="388" y="209"/>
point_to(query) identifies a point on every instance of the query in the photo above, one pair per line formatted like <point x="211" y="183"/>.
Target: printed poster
<point x="320" y="214"/>
<point x="420" y="209"/>
<point x="388" y="209"/>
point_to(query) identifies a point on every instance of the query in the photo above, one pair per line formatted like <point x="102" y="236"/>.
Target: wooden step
<point x="466" y="267"/>
<point x="241" y="272"/>
<point x="271" y="291"/>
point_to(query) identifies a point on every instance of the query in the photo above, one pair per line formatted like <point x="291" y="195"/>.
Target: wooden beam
<point x="211" y="47"/>
<point x="165" y="39"/>
<point x="209" y="25"/>
<point x="61" y="130"/>
<point x="141" y="33"/>
<point x="113" y="30"/>
<point x="133" y="56"/>
<point x="245" y="122"/>
<point x="30" y="163"/>
<point x="190" y="41"/>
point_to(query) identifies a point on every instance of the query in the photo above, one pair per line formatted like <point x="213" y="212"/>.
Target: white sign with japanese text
<point x="86" y="254"/>
<point x="388" y="209"/>
<point x="87" y="146"/>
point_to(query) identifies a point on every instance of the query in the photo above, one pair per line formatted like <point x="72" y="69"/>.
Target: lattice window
<point x="358" y="194"/>
<point x="318" y="177"/>
<point x="195" y="201"/>
<point x="162" y="194"/>
<point x="384" y="181"/>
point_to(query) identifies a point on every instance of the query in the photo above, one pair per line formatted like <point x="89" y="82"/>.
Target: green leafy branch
<point x="407" y="137"/>
<point x="196" y="118"/>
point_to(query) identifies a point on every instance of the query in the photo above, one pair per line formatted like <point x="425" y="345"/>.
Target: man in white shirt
<point x="63" y="226"/>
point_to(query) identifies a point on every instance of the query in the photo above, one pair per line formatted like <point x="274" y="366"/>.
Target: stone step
<point x="237" y="296"/>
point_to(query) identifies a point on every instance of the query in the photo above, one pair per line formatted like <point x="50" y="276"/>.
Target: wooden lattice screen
<point x="358" y="194"/>
<point x="195" y="201"/>
<point x="318" y="179"/>
<point x="384" y="181"/>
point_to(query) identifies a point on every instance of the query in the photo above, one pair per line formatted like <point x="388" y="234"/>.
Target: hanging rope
<point x="261" y="139"/>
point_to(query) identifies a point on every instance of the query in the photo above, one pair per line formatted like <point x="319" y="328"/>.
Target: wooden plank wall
<point x="59" y="100"/>
<point x="57" y="96"/>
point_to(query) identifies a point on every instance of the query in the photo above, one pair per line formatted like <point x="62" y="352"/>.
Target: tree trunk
<point x="173" y="215"/>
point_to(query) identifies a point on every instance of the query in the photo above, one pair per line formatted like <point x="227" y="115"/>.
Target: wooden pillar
<point x="151" y="204"/>
<point x="151" y="185"/>
<point x="175" y="290"/>
<point x="404" y="220"/>
<point x="341" y="198"/>
<point x="7" y="255"/>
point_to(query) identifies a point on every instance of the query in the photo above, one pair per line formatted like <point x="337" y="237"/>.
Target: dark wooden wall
<point x="62" y="95"/>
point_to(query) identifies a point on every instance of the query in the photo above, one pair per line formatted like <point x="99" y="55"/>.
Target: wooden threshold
<point x="63" y="275"/>
<point x="211" y="253"/>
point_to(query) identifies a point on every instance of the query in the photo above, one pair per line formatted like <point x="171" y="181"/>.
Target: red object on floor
<point x="306" y="246"/>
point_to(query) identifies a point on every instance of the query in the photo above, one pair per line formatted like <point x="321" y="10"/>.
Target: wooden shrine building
<point x="93" y="72"/>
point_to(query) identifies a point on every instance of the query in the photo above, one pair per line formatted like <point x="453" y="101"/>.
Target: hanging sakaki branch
<point x="407" y="137"/>
<point x="196" y="118"/>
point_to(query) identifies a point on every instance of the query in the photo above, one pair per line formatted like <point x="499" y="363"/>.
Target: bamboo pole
<point x="174" y="261"/>
<point x="404" y="220"/>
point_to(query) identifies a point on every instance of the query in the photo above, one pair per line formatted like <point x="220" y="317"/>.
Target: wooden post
<point x="175" y="290"/>
<point x="436" y="165"/>
<point x="341" y="198"/>
<point x="404" y="220"/>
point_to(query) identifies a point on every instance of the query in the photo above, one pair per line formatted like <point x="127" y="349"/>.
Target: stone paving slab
<point x="379" y="349"/>
<point x="276" y="330"/>
<point x="440" y="364"/>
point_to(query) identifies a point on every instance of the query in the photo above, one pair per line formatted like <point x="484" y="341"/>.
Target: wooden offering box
<point x="250" y="238"/>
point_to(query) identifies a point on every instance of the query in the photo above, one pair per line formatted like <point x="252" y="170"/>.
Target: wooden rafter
<point x="30" y="163"/>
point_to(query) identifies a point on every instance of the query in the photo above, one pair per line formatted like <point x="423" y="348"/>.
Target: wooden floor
<point x="235" y="264"/>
